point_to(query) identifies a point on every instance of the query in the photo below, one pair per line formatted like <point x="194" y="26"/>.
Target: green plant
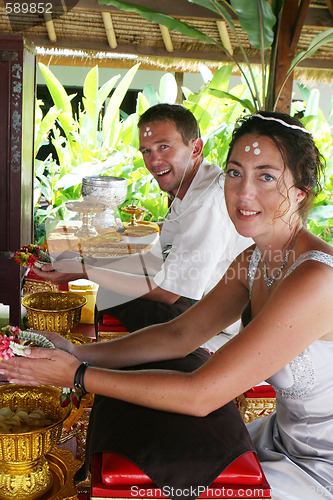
<point x="260" y="19"/>
<point x="320" y="220"/>
<point x="216" y="113"/>
<point x="93" y="145"/>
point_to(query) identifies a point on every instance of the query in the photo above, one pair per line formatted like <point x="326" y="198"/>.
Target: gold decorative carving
<point x="25" y="482"/>
<point x="34" y="286"/>
<point x="105" y="336"/>
<point x="253" y="408"/>
<point x="24" y="470"/>
<point x="54" y="311"/>
<point x="76" y="425"/>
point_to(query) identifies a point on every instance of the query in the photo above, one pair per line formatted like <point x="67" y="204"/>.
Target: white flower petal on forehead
<point x="247" y="149"/>
<point x="255" y="144"/>
<point x="145" y="134"/>
<point x="285" y="124"/>
<point x="147" y="129"/>
<point x="149" y="133"/>
<point x="257" y="151"/>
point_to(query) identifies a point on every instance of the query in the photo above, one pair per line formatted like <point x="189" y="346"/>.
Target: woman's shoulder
<point x="312" y="255"/>
<point x="316" y="250"/>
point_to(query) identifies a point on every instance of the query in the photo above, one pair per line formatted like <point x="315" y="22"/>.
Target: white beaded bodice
<point x="322" y="257"/>
<point x="295" y="443"/>
<point x="296" y="380"/>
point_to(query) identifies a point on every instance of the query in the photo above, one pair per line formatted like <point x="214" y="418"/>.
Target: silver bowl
<point x="111" y="191"/>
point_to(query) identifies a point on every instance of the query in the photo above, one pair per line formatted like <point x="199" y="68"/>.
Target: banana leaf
<point x="246" y="103"/>
<point x="150" y="94"/>
<point x="61" y="99"/>
<point x="90" y="99"/>
<point x="105" y="90"/>
<point x="157" y="17"/>
<point x="205" y="104"/>
<point x="90" y="85"/>
<point x="93" y="101"/>
<point x="168" y="88"/>
<point x="260" y="32"/>
<point x="57" y="91"/>
<point x="45" y="126"/>
<point x="218" y="8"/>
<point x="111" y="118"/>
<point x="319" y="40"/>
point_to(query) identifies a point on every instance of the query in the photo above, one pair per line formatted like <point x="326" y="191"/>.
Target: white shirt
<point x="203" y="238"/>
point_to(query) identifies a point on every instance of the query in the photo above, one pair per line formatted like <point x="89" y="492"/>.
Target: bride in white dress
<point x="287" y="338"/>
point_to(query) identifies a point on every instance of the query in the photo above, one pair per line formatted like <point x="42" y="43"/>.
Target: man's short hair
<point x="184" y="120"/>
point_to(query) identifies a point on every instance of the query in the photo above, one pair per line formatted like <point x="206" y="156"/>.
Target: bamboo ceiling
<point x="107" y="36"/>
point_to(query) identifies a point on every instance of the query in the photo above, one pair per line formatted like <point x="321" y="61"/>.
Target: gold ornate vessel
<point x="135" y="212"/>
<point x="54" y="311"/>
<point x="24" y="470"/>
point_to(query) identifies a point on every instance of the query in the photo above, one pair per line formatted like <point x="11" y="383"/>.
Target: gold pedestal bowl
<point x="54" y="311"/>
<point x="24" y="470"/>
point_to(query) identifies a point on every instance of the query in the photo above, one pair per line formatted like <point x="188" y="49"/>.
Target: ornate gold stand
<point x="253" y="408"/>
<point x="26" y="480"/>
<point x="135" y="212"/>
<point x="63" y="467"/>
<point x="105" y="336"/>
<point x="32" y="286"/>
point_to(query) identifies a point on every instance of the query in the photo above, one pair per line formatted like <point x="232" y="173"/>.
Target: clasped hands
<point x="42" y="366"/>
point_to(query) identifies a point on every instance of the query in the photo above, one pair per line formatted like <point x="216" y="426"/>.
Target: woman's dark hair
<point x="296" y="145"/>
<point x="184" y="120"/>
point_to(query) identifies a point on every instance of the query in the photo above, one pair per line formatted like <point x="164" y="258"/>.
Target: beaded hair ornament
<point x="285" y="124"/>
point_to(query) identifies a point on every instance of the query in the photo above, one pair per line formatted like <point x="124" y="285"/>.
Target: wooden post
<point x="17" y="109"/>
<point x="292" y="20"/>
<point x="179" y="76"/>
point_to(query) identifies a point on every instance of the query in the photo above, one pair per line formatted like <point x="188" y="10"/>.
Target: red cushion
<point x="245" y="472"/>
<point x="108" y="323"/>
<point x="260" y="391"/>
<point x="117" y="470"/>
<point x="109" y="319"/>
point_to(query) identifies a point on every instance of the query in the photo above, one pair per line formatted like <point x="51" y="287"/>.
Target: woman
<point x="272" y="170"/>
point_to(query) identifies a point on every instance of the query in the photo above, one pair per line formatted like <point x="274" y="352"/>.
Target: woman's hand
<point x="41" y="367"/>
<point x="58" y="341"/>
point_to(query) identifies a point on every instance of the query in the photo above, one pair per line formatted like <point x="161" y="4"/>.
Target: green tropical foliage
<point x="101" y="142"/>
<point x="260" y="19"/>
<point x="97" y="142"/>
<point x="321" y="214"/>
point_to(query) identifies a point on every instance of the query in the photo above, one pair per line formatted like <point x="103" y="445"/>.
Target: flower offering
<point x="32" y="256"/>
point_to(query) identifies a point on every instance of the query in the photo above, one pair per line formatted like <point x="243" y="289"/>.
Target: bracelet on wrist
<point x="79" y="377"/>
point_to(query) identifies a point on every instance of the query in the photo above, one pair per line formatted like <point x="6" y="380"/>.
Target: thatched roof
<point x="107" y="36"/>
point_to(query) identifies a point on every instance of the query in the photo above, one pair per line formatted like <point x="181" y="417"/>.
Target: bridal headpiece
<point x="282" y="122"/>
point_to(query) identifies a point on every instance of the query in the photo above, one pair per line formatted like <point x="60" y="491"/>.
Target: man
<point x="197" y="238"/>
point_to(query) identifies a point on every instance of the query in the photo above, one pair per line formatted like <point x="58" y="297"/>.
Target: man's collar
<point x="194" y="181"/>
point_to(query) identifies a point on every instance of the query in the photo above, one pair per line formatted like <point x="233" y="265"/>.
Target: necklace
<point x="269" y="281"/>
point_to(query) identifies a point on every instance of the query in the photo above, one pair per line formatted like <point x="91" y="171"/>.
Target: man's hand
<point x="62" y="271"/>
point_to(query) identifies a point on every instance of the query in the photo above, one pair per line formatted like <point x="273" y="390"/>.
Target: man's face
<point x="168" y="159"/>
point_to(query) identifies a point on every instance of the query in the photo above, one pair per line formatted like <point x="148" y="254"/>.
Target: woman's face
<point x="259" y="190"/>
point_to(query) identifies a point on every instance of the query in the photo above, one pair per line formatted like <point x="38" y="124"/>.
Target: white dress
<point x="295" y="443"/>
